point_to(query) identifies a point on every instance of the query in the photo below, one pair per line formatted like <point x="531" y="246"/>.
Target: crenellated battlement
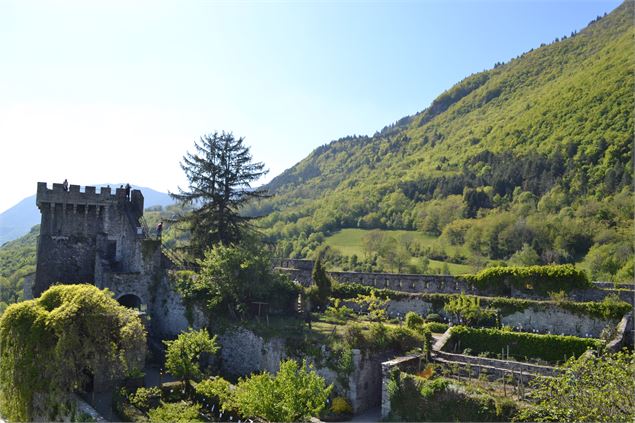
<point x="89" y="195"/>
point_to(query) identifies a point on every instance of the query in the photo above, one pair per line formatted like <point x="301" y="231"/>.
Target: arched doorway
<point x="130" y="301"/>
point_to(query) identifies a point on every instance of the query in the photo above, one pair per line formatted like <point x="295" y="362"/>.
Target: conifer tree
<point x="220" y="172"/>
<point x="322" y="282"/>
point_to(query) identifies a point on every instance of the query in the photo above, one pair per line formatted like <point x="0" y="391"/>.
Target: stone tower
<point x="86" y="235"/>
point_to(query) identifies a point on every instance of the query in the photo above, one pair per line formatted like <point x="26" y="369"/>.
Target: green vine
<point x="49" y="346"/>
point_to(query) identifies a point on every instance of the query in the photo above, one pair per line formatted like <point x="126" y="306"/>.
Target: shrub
<point x="341" y="406"/>
<point x="404" y="339"/>
<point x="323" y="283"/>
<point x="413" y="320"/>
<point x="436" y="327"/>
<point x="337" y="312"/>
<point x="175" y="412"/>
<point x="217" y="390"/>
<point x="434" y="317"/>
<point x="145" y="398"/>
<point x="293" y="394"/>
<point x="550" y="348"/>
<point x="354" y="336"/>
<point x="415" y="399"/>
<point x="468" y="310"/>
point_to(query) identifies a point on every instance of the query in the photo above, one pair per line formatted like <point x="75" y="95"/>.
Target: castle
<point x="101" y="238"/>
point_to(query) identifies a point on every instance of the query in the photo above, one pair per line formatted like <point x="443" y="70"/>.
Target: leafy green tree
<point x="526" y="256"/>
<point x="468" y="309"/>
<point x="591" y="388"/>
<point x="219" y="172"/>
<point x="50" y="347"/>
<point x="183" y="354"/>
<point x="218" y="391"/>
<point x="231" y="278"/>
<point x="293" y="394"/>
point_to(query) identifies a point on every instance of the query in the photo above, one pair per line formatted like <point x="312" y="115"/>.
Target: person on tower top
<point x="65" y="185"/>
<point x="159" y="229"/>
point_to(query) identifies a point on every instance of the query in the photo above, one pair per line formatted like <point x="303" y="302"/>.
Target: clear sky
<point x="103" y="92"/>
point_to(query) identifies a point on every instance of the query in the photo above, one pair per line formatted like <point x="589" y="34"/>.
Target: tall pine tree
<point x="219" y="172"/>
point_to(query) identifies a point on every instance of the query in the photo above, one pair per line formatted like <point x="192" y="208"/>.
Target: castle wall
<point x="415" y="283"/>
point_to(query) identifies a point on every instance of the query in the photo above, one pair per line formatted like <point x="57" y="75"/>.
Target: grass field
<point x="350" y="241"/>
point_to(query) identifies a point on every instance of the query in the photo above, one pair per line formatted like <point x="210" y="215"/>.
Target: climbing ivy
<point x="50" y="346"/>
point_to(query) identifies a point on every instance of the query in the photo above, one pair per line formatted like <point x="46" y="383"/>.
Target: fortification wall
<point x="416" y="283"/>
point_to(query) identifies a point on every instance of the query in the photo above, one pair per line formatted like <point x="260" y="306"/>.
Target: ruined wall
<point x="243" y="352"/>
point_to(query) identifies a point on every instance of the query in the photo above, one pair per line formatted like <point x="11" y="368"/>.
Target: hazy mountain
<point x="19" y="219"/>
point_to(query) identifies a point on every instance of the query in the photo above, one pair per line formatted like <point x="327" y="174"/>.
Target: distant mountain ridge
<point x="19" y="219"/>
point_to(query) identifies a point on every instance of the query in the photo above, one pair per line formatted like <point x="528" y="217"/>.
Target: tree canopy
<point x="51" y="346"/>
<point x="220" y="172"/>
<point x="591" y="388"/>
<point x="293" y="394"/>
<point x="183" y="354"/>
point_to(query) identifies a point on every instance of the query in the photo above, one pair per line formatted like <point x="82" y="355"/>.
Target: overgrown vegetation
<point x="415" y="399"/>
<point x="232" y="278"/>
<point x="535" y="279"/>
<point x="51" y="346"/>
<point x="591" y="388"/>
<point x="183" y="354"/>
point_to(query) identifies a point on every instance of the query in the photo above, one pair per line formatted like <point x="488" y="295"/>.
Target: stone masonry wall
<point x="243" y="352"/>
<point x="300" y="271"/>
<point x="547" y="318"/>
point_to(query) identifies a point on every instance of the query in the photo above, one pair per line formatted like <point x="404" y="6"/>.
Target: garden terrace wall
<point x="415" y="283"/>
<point x="408" y="364"/>
<point x="528" y="316"/>
<point x="243" y="352"/>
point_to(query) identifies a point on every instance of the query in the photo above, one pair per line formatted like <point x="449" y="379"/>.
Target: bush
<point x="293" y="394"/>
<point x="413" y="320"/>
<point x="436" y="327"/>
<point x="415" y="399"/>
<point x="534" y="279"/>
<point x="175" y="412"/>
<point x="338" y="313"/>
<point x="217" y="390"/>
<point x="434" y="317"/>
<point x="341" y="406"/>
<point x="145" y="398"/>
<point x="551" y="348"/>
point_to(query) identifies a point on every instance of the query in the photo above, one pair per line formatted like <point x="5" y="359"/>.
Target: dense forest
<point x="531" y="161"/>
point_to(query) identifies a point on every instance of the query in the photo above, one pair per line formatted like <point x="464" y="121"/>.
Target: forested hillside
<point x="530" y="161"/>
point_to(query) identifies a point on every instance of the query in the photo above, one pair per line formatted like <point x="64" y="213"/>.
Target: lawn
<point x="350" y="241"/>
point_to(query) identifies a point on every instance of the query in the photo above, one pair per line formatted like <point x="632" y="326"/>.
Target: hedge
<point x="536" y="279"/>
<point x="551" y="348"/>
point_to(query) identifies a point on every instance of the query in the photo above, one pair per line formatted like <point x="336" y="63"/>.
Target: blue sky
<point x="118" y="91"/>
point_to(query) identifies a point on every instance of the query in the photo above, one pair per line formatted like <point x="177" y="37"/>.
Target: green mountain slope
<point x="542" y="143"/>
